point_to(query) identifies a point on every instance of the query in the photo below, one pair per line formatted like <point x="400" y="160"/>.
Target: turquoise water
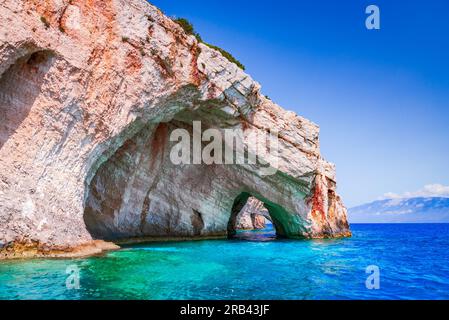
<point x="413" y="262"/>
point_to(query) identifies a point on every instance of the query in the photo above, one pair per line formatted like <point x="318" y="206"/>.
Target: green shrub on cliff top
<point x="190" y="30"/>
<point x="186" y="25"/>
<point x="227" y="55"/>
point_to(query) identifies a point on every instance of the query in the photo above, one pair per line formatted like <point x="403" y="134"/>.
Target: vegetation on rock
<point x="190" y="30"/>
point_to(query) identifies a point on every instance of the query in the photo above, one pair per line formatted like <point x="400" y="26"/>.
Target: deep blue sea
<point x="413" y="261"/>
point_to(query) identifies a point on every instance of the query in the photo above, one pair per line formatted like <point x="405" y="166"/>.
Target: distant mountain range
<point x="406" y="210"/>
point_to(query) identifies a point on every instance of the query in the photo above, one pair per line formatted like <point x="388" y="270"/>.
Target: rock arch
<point x="277" y="215"/>
<point x="108" y="88"/>
<point x="253" y="216"/>
<point x="139" y="193"/>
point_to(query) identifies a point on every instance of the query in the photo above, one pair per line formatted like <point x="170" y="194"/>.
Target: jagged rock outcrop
<point x="252" y="216"/>
<point x="89" y="93"/>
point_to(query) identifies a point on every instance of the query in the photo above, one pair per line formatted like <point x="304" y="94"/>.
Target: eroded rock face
<point x="252" y="216"/>
<point x="89" y="93"/>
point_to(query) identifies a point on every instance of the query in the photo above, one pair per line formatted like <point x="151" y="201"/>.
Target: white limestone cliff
<point x="89" y="91"/>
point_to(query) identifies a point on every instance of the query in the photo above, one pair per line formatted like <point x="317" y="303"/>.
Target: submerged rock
<point x="89" y="94"/>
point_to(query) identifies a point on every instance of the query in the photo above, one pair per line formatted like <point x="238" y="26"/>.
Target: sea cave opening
<point x="251" y="220"/>
<point x="139" y="193"/>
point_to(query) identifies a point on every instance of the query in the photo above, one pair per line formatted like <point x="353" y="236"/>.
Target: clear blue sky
<point x="381" y="97"/>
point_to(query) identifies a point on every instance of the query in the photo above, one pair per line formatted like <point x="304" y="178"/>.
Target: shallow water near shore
<point x="413" y="262"/>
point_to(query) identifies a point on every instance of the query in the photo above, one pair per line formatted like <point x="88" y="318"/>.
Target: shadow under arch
<point x="279" y="216"/>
